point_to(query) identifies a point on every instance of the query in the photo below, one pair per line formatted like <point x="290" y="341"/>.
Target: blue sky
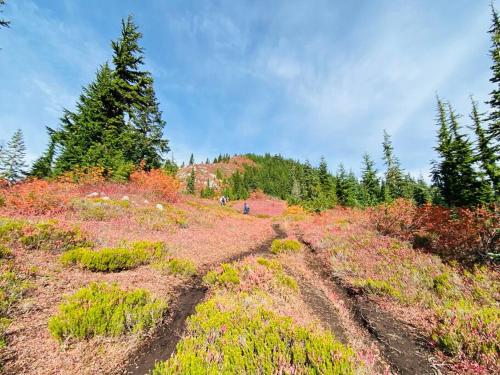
<point x="300" y="78"/>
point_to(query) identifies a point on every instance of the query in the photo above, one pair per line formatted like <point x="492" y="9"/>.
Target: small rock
<point x="94" y="194"/>
<point x="146" y="201"/>
<point x="125" y="198"/>
<point x="159" y="206"/>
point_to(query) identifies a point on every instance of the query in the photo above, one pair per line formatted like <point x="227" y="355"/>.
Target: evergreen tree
<point x="117" y="123"/>
<point x="324" y="176"/>
<point x="393" y="174"/>
<point x="170" y="167"/>
<point x="454" y="175"/>
<point x="493" y="129"/>
<point x="191" y="182"/>
<point x="443" y="175"/>
<point x="369" y="182"/>
<point x="42" y="167"/>
<point x="421" y="192"/>
<point x="310" y="183"/>
<point x="3" y="22"/>
<point x="149" y="146"/>
<point x="346" y="187"/>
<point x="207" y="161"/>
<point x="485" y="154"/>
<point x="191" y="160"/>
<point x="13" y="165"/>
<point x="468" y="188"/>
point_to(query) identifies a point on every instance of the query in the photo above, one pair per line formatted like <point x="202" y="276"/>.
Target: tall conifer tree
<point x="485" y="153"/>
<point x="393" y="173"/>
<point x="117" y="123"/>
<point x="369" y="181"/>
<point x="493" y="129"/>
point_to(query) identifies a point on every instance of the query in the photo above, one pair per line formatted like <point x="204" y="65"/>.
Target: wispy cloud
<point x="302" y="79"/>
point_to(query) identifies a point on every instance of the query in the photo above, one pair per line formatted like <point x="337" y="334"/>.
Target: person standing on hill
<point x="223" y="200"/>
<point x="246" y="209"/>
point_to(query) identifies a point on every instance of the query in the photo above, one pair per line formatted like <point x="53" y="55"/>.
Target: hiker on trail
<point x="223" y="201"/>
<point x="246" y="209"/>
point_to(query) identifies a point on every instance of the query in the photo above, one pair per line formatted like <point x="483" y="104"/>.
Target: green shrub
<point x="380" y="287"/>
<point x="104" y="260"/>
<point x="114" y="259"/>
<point x="50" y="237"/>
<point x="227" y="277"/>
<point x="287" y="281"/>
<point x="13" y="287"/>
<point x="101" y="309"/>
<point x="4" y="251"/>
<point x="283" y="246"/>
<point x="174" y="266"/>
<point x="225" y="336"/>
<point x="270" y="263"/>
<point x="441" y="284"/>
<point x="155" y="249"/>
<point x="467" y="328"/>
<point x="11" y="229"/>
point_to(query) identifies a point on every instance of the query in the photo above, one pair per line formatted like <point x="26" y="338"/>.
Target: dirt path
<point x="404" y="349"/>
<point x="162" y="345"/>
<point x="320" y="306"/>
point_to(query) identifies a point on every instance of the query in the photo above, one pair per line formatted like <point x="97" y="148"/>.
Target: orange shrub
<point x="36" y="197"/>
<point x="84" y="176"/>
<point x="158" y="183"/>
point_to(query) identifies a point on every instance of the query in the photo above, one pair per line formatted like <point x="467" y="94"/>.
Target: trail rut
<point x="404" y="349"/>
<point x="162" y="345"/>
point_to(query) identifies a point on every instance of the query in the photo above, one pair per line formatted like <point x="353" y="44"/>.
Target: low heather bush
<point x="227" y="277"/>
<point x="101" y="309"/>
<point x="13" y="287"/>
<point x="52" y="237"/>
<point x="284" y="246"/>
<point x="227" y="337"/>
<point x="114" y="259"/>
<point x="174" y="266"/>
<point x="465" y="327"/>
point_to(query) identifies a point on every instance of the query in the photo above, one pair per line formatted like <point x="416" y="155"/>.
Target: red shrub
<point x="158" y="183"/>
<point x="463" y="234"/>
<point x="395" y="219"/>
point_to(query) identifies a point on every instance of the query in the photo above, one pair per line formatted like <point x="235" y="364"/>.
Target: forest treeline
<point x="117" y="126"/>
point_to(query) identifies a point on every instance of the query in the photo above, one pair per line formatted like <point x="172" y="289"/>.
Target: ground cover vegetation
<point x="247" y="326"/>
<point x="454" y="303"/>
<point x="102" y="211"/>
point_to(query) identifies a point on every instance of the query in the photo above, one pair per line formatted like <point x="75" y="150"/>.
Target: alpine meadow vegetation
<point x="115" y="257"/>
